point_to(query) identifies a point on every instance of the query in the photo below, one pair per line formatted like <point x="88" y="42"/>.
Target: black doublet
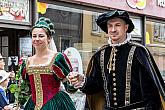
<point x="143" y="88"/>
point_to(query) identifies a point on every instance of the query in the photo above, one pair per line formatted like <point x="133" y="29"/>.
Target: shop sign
<point x="139" y="4"/>
<point x="161" y="3"/>
<point x="15" y="10"/>
<point x="75" y="59"/>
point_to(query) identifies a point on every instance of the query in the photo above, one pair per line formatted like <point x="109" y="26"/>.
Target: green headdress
<point x="46" y="24"/>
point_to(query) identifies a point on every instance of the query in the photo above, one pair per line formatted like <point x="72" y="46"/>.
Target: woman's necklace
<point x="112" y="60"/>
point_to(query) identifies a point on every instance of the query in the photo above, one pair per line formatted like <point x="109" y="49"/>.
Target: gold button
<point x="114" y="89"/>
<point x="114" y="79"/>
<point x="114" y="84"/>
<point x="114" y="74"/>
<point x="114" y="98"/>
<point x="115" y="103"/>
<point x="114" y="94"/>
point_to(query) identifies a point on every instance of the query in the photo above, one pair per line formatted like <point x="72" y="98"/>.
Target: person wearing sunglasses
<point x="122" y="75"/>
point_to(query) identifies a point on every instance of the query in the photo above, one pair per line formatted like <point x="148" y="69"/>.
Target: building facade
<point x="75" y="25"/>
<point x="16" y="19"/>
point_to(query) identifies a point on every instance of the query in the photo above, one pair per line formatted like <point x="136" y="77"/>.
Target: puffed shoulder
<point x="61" y="66"/>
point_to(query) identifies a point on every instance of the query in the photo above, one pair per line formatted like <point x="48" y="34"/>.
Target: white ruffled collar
<point x="119" y="44"/>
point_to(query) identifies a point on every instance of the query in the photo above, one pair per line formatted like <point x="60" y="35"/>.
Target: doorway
<point x="9" y="43"/>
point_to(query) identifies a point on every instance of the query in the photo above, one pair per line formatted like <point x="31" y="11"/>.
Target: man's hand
<point x="76" y="79"/>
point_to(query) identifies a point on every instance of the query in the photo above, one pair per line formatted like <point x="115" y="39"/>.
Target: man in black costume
<point x="123" y="74"/>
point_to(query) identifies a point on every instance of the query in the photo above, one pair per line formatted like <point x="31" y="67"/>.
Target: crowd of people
<point x="121" y="75"/>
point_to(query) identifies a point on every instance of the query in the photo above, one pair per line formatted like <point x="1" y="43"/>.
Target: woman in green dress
<point x="45" y="71"/>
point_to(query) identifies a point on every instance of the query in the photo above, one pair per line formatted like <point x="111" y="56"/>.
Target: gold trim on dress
<point x="39" y="91"/>
<point x="36" y="71"/>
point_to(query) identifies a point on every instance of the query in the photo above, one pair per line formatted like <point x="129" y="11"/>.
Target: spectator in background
<point x="11" y="79"/>
<point x="4" y="101"/>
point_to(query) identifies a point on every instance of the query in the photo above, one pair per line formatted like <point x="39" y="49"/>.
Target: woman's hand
<point x="76" y="79"/>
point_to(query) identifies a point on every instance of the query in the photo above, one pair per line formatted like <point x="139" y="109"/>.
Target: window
<point x="137" y="32"/>
<point x="155" y="42"/>
<point x="95" y="27"/>
<point x="155" y="32"/>
<point x="4" y="48"/>
<point x="162" y="32"/>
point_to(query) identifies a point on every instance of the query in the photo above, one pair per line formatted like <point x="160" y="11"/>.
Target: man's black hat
<point x="103" y="19"/>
